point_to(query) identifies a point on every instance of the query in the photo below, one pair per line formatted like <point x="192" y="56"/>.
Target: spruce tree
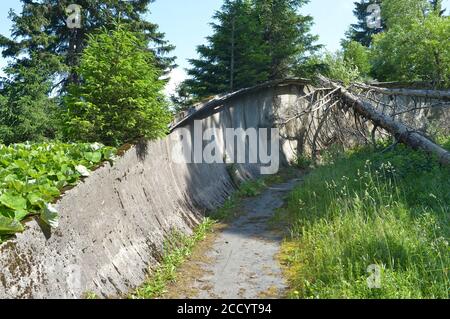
<point x="120" y="95"/>
<point x="233" y="57"/>
<point x="360" y="31"/>
<point x="44" y="52"/>
<point x="41" y="32"/>
<point x="253" y="41"/>
<point x="286" y="35"/>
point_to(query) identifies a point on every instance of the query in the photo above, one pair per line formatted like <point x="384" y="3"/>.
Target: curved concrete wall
<point x="113" y="225"/>
<point x="417" y="113"/>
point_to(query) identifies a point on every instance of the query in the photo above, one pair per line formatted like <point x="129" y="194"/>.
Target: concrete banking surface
<point x="113" y="225"/>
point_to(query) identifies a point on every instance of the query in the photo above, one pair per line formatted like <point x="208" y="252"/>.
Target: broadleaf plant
<point x="32" y="176"/>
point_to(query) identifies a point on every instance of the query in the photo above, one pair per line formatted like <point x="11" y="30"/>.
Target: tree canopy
<point x="360" y="31"/>
<point x="253" y="41"/>
<point x="41" y="33"/>
<point x="416" y="45"/>
<point x="44" y="53"/>
<point x="119" y="98"/>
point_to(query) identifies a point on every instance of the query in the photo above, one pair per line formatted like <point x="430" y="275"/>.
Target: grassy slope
<point x="391" y="210"/>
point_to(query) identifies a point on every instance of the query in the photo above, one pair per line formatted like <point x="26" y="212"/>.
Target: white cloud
<point x="177" y="76"/>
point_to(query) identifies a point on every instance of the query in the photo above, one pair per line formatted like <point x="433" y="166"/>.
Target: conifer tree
<point x="41" y="32"/>
<point x="360" y="31"/>
<point x="253" y="41"/>
<point x="120" y="95"/>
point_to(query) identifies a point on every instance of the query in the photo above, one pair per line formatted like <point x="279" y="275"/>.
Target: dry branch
<point x="315" y="107"/>
<point x="430" y="94"/>
<point x="400" y="131"/>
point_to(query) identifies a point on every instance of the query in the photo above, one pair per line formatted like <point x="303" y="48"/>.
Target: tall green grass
<point x="367" y="208"/>
<point x="177" y="249"/>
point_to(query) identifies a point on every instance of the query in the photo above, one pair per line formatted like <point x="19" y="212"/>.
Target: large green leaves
<point x="15" y="202"/>
<point x="9" y="226"/>
<point x="93" y="157"/>
<point x="33" y="175"/>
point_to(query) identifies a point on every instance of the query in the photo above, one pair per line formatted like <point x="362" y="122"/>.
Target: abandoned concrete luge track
<point x="114" y="224"/>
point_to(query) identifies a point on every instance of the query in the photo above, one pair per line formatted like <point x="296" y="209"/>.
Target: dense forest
<point x="47" y="92"/>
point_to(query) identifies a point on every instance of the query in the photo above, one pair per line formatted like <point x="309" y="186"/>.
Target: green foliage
<point x="359" y="56"/>
<point x="27" y="113"/>
<point x="90" y="295"/>
<point x="33" y="175"/>
<point x="339" y="69"/>
<point x="416" y="45"/>
<point x="313" y="66"/>
<point x="40" y="33"/>
<point x="233" y="57"/>
<point x="386" y="209"/>
<point x="286" y="35"/>
<point x="44" y="53"/>
<point x="362" y="33"/>
<point x="251" y="188"/>
<point x="27" y="117"/>
<point x="302" y="162"/>
<point x="120" y="97"/>
<point x="436" y="6"/>
<point x="412" y="12"/>
<point x="253" y="41"/>
<point x="182" y="100"/>
<point x="178" y="247"/>
<point x="348" y="65"/>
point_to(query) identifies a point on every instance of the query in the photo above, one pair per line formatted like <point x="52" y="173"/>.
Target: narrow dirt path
<point x="240" y="260"/>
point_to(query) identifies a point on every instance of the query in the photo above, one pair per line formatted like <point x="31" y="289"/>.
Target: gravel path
<point x="242" y="258"/>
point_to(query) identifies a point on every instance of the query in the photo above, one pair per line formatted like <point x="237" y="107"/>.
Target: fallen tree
<point x="429" y="94"/>
<point x="400" y="131"/>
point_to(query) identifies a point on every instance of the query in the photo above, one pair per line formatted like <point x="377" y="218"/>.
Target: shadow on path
<point x="240" y="261"/>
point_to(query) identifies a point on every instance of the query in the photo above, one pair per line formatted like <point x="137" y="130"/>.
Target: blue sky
<point x="186" y="24"/>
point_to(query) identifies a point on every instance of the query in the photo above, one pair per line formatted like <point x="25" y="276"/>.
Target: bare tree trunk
<point x="400" y="131"/>
<point x="431" y="94"/>
<point x="233" y="45"/>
